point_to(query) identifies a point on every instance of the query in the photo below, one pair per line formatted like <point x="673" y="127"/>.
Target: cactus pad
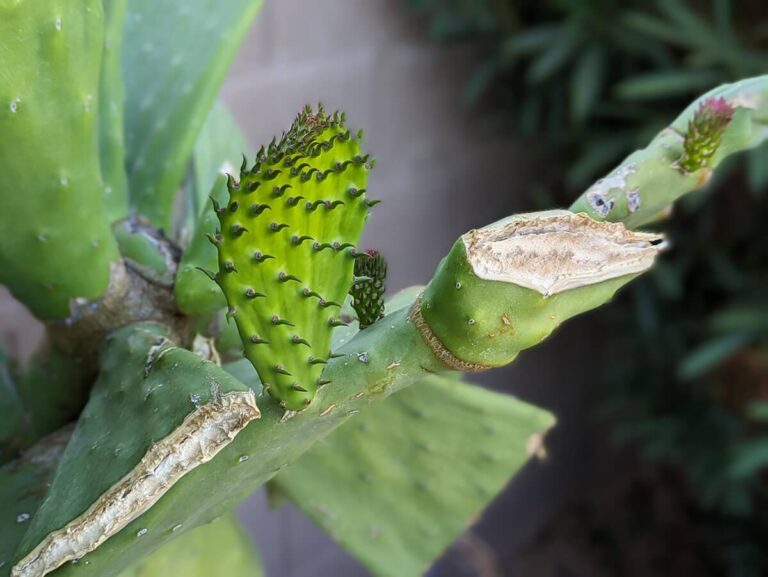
<point x="221" y="548"/>
<point x="156" y="413"/>
<point x="400" y="481"/>
<point x="286" y="250"/>
<point x="57" y="245"/>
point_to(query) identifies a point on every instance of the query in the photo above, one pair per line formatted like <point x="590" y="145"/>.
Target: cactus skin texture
<point x="146" y="389"/>
<point x="111" y="103"/>
<point x="368" y="289"/>
<point x="23" y="484"/>
<point x="175" y="57"/>
<point x="648" y="181"/>
<point x="219" y="549"/>
<point x="398" y="483"/>
<point x="57" y="244"/>
<point x="285" y="245"/>
<point x="47" y="395"/>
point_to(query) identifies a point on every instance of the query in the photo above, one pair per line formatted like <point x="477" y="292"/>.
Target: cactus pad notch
<point x="287" y="250"/>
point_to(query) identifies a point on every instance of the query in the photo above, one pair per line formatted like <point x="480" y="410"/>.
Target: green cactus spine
<point x="368" y="289"/>
<point x="285" y="246"/>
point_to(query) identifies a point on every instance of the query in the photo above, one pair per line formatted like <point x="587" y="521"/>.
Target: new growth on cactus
<point x="286" y="250"/>
<point x="368" y="289"/>
<point x="704" y="134"/>
<point x="140" y="421"/>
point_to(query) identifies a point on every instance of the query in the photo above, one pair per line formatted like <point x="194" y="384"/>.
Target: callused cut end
<point x="556" y="251"/>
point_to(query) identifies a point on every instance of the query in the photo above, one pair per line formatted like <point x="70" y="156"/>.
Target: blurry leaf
<point x="710" y="355"/>
<point x="653" y="27"/>
<point x="741" y="318"/>
<point x="758" y="411"/>
<point x="750" y="457"/>
<point x="554" y="57"/>
<point x="757" y="168"/>
<point x="660" y="85"/>
<point x="482" y="78"/>
<point x="587" y="82"/>
<point x="686" y="19"/>
<point x="529" y="42"/>
<point x="596" y="158"/>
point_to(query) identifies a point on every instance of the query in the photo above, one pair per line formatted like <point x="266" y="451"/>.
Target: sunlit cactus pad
<point x="287" y="250"/>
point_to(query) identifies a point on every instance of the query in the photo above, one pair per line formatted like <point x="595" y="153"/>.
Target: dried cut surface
<point x="556" y="251"/>
<point x="202" y="434"/>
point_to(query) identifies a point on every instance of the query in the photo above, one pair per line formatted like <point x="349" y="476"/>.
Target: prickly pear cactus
<point x="127" y="433"/>
<point x="286" y="250"/>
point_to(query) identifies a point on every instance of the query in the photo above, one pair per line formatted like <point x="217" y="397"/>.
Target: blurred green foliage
<point x="598" y="78"/>
<point x="686" y="378"/>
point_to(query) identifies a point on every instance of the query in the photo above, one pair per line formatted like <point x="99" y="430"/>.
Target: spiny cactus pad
<point x="154" y="408"/>
<point x="399" y="482"/>
<point x="220" y="549"/>
<point x="286" y="250"/>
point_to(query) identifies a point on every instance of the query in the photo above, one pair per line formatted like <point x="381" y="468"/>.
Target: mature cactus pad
<point x="399" y="482"/>
<point x="156" y="413"/>
<point x="286" y="250"/>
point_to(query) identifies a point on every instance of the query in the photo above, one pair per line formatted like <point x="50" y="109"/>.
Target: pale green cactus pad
<point x="175" y="57"/>
<point x="286" y="250"/>
<point x="397" y="484"/>
<point x="220" y="549"/>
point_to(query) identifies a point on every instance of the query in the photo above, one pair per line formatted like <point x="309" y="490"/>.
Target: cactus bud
<point x="705" y="132"/>
<point x="368" y="292"/>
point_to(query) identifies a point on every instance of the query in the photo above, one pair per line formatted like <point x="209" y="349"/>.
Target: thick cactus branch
<point x="648" y="181"/>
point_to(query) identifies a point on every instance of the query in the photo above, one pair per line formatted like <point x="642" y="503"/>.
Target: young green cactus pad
<point x="648" y="181"/>
<point x="505" y="287"/>
<point x="220" y="549"/>
<point x="156" y="413"/>
<point x="57" y="245"/>
<point x="286" y="250"/>
<point x="401" y="481"/>
<point x="368" y="289"/>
